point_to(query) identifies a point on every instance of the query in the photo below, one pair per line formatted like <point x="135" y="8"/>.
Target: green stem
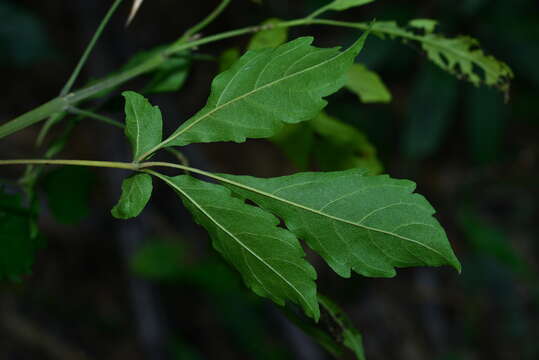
<point x="92" y="115"/>
<point x="89" y="163"/>
<point x="206" y="21"/>
<point x="63" y="103"/>
<point x="69" y="84"/>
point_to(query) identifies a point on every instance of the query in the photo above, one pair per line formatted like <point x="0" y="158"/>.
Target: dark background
<point x="152" y="288"/>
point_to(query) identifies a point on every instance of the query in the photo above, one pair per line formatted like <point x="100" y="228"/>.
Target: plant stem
<point x="205" y="22"/>
<point x="89" y="163"/>
<point x="69" y="84"/>
<point x="64" y="102"/>
<point x="95" y="116"/>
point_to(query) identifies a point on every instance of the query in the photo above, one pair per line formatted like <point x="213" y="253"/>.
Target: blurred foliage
<point x="68" y="192"/>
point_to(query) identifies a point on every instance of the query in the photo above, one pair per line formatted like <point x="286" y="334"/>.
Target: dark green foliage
<point x="68" y="191"/>
<point x="18" y="238"/>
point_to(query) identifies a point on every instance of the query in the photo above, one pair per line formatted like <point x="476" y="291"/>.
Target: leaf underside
<point x="269" y="258"/>
<point x="136" y="192"/>
<point x="266" y="89"/>
<point x="369" y="224"/>
<point x="143" y="123"/>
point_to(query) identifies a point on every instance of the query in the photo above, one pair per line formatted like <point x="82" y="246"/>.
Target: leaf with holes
<point x="461" y="55"/>
<point x="369" y="224"/>
<point x="267" y="88"/>
<point x="270" y="259"/>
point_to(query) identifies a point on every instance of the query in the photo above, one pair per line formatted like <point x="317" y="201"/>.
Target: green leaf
<point x="136" y="192"/>
<point x="341" y="146"/>
<point x="170" y="76"/>
<point x="269" y="258"/>
<point x="340" y="5"/>
<point x="228" y="58"/>
<point x="367" y="85"/>
<point x="68" y="193"/>
<point x="267" y="88"/>
<point x="143" y="123"/>
<point x="17" y="242"/>
<point x="271" y="37"/>
<point x="369" y="224"/>
<point x="460" y="56"/>
<point x="330" y="143"/>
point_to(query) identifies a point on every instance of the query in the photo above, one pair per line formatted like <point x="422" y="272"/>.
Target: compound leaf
<point x="136" y="192"/>
<point x="369" y="224"/>
<point x="460" y="56"/>
<point x="267" y="88"/>
<point x="143" y="123"/>
<point x="367" y="85"/>
<point x="270" y="259"/>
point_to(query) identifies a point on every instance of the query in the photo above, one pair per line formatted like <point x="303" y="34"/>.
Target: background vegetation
<point x="152" y="288"/>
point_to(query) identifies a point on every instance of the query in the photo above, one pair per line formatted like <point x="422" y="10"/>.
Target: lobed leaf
<point x="267" y="88"/>
<point x="460" y="56"/>
<point x="269" y="258"/>
<point x="367" y="85"/>
<point x="369" y="224"/>
<point x="143" y="123"/>
<point x="136" y="192"/>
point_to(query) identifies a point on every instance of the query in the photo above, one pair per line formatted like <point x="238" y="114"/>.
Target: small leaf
<point x="340" y="5"/>
<point x="270" y="37"/>
<point x="68" y="193"/>
<point x="18" y="244"/>
<point x="136" y="192"/>
<point x="269" y="258"/>
<point x="143" y="123"/>
<point x="342" y="327"/>
<point x="369" y="224"/>
<point x="460" y="56"/>
<point x="267" y="88"/>
<point x="367" y="85"/>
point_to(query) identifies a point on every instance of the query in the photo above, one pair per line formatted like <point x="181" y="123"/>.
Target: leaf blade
<point x="319" y="203"/>
<point x="240" y="232"/>
<point x="143" y="123"/>
<point x="267" y="88"/>
<point x="340" y="5"/>
<point x="136" y="192"/>
<point x="367" y="85"/>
